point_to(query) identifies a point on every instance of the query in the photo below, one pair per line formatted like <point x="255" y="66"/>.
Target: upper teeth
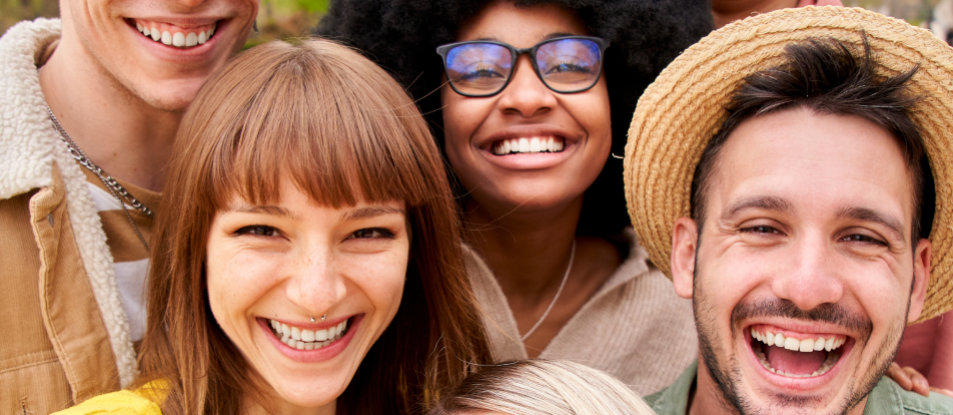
<point x="528" y="145"/>
<point x="818" y="343"/>
<point x="304" y="339"/>
<point x="177" y="39"/>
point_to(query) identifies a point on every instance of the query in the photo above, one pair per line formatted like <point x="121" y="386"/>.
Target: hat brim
<point x="682" y="110"/>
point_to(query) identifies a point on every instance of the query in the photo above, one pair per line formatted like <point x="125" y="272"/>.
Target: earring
<point x="324" y="316"/>
<point x="312" y="319"/>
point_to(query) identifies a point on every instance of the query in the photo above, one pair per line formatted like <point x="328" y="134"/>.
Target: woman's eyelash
<point x="257" y="230"/>
<point x="372" y="233"/>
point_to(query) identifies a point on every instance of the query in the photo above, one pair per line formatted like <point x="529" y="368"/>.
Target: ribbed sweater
<point x="634" y="327"/>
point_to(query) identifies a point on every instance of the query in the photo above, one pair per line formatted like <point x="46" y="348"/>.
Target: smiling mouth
<point x="304" y="339"/>
<point x="796" y="358"/>
<point x="174" y="36"/>
<point x="526" y="145"/>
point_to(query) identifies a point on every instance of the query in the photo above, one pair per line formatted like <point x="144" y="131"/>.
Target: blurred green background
<point x="289" y="18"/>
<point x="276" y="18"/>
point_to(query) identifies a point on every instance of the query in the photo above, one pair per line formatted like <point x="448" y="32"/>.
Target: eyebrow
<point x="266" y="209"/>
<point x="781" y="205"/>
<point x="870" y="215"/>
<point x="372" y="211"/>
<point x="358" y="213"/>
<point x="547" y="37"/>
<point x="759" y="202"/>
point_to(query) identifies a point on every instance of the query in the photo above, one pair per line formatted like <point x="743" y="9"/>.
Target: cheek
<point x="235" y="281"/>
<point x="461" y="117"/>
<point x="382" y="279"/>
<point x="591" y="110"/>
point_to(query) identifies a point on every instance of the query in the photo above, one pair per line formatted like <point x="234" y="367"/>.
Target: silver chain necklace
<point x="116" y="189"/>
<point x="572" y="255"/>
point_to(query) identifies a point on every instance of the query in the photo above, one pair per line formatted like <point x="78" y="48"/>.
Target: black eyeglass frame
<point x="442" y="50"/>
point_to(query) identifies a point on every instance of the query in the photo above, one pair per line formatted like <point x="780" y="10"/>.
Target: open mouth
<point x="796" y="357"/>
<point x="526" y="145"/>
<point x="175" y="36"/>
<point x="304" y="339"/>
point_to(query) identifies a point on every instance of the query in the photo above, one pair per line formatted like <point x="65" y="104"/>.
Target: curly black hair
<point x="644" y="36"/>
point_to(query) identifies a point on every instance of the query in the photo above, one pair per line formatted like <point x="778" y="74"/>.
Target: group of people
<point x="407" y="215"/>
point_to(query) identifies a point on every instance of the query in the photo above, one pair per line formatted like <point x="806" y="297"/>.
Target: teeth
<point x="304" y="339"/>
<point x="176" y="39"/>
<point x="528" y="145"/>
<point x="806" y="345"/>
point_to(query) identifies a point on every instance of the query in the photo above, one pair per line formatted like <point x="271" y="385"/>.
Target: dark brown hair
<point x="343" y="131"/>
<point x="824" y="76"/>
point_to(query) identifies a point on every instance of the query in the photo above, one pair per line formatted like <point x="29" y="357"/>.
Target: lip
<point x="195" y="54"/>
<point x="313" y="356"/>
<point x="805" y="384"/>
<point x="530" y="161"/>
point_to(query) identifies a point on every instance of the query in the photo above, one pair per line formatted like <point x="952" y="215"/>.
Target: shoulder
<point x="673" y="400"/>
<point x="26" y="135"/>
<point x="29" y="36"/>
<point x="889" y="398"/>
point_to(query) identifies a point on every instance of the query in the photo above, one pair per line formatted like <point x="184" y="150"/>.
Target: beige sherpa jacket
<point x="65" y="334"/>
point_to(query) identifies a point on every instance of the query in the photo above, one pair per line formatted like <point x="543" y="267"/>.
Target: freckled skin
<point x="295" y="260"/>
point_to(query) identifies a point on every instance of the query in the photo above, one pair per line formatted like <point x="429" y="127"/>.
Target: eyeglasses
<point x="482" y="68"/>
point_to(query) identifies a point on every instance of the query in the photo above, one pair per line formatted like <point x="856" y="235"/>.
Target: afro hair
<point x="644" y="36"/>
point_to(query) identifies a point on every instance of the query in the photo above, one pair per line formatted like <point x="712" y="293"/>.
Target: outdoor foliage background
<point x="290" y="18"/>
<point x="276" y="18"/>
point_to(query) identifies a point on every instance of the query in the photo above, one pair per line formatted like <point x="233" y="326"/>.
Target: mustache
<point x="827" y="313"/>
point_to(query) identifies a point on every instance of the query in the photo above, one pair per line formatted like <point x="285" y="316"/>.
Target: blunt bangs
<point x="342" y="135"/>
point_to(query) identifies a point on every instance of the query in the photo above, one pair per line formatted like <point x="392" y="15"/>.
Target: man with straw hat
<point x="784" y="167"/>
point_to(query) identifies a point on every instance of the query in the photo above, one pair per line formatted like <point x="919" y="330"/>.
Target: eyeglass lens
<point x="484" y="68"/>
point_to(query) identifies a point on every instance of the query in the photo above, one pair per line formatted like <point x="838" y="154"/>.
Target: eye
<point x="257" y="230"/>
<point x="759" y="229"/>
<point x="481" y="73"/>
<point x="568" y="66"/>
<point x="371" y="233"/>
<point x="862" y="238"/>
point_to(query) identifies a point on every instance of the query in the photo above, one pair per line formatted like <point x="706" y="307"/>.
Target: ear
<point x="921" y="278"/>
<point x="684" y="240"/>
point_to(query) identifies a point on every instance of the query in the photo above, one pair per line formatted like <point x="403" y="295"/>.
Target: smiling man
<point x="799" y="211"/>
<point x="89" y="106"/>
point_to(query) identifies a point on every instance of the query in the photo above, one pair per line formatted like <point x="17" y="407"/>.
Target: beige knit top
<point x="635" y="327"/>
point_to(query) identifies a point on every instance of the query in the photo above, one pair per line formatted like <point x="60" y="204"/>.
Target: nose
<point x="315" y="285"/>
<point x="811" y="276"/>
<point x="526" y="94"/>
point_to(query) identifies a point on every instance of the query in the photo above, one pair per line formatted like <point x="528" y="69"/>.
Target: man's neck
<point x="117" y="130"/>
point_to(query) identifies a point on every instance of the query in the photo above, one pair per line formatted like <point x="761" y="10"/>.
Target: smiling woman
<point x="308" y="258"/>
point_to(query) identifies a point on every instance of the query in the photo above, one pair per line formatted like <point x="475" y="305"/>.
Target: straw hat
<point x="680" y="112"/>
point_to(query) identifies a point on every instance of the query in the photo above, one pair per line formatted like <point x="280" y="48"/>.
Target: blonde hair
<point x="342" y="130"/>
<point x="542" y="387"/>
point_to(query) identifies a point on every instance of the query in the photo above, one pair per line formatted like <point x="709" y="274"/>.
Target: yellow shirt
<point x="142" y="401"/>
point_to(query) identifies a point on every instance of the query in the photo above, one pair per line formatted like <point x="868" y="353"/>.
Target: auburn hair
<point x="343" y="130"/>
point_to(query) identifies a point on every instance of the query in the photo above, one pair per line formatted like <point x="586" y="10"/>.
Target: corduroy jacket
<point x="65" y="334"/>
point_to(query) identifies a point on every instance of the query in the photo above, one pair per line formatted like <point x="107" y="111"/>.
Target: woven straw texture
<point x="684" y="107"/>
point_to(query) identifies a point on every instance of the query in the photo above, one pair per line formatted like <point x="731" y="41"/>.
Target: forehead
<point x="521" y="26"/>
<point x="819" y="162"/>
